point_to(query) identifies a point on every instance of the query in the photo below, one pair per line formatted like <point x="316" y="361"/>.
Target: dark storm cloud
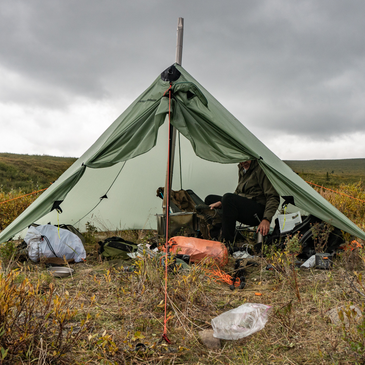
<point x="294" y="68"/>
<point x="67" y="47"/>
<point x="304" y="63"/>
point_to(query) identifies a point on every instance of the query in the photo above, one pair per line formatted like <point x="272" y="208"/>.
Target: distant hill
<point x="34" y="172"/>
<point x="330" y="173"/>
<point x="354" y="166"/>
<point x="30" y="172"/>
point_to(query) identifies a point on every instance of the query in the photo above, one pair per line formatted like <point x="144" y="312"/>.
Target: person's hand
<point x="264" y="227"/>
<point x="217" y="205"/>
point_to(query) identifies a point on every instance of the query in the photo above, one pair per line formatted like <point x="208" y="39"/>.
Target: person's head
<point x="245" y="164"/>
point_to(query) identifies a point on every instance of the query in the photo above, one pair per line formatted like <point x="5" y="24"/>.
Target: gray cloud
<point x="290" y="68"/>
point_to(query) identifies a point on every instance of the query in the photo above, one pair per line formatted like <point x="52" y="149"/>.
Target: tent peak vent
<point x="170" y="74"/>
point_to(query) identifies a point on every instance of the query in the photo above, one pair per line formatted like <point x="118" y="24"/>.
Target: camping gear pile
<point x="189" y="214"/>
<point x="59" y="244"/>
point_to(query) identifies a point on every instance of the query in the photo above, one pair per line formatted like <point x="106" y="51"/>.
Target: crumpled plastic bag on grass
<point x="240" y="322"/>
<point x="311" y="262"/>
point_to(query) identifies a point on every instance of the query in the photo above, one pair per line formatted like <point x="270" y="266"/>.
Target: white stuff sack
<point x="63" y="242"/>
<point x="240" y="322"/>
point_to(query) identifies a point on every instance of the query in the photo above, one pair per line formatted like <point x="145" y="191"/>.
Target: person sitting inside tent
<point x="254" y="201"/>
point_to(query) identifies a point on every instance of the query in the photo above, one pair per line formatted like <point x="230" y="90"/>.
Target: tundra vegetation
<point x="112" y="312"/>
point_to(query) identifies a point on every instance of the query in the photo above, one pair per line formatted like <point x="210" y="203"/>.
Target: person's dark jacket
<point x="254" y="184"/>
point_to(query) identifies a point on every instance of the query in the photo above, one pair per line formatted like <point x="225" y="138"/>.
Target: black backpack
<point x="307" y="241"/>
<point x="116" y="247"/>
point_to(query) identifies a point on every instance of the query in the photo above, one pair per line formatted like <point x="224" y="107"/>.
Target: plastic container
<point x="323" y="261"/>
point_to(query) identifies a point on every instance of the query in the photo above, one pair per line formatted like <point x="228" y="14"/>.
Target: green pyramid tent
<point x="112" y="185"/>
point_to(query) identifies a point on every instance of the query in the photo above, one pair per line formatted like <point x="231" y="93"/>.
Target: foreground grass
<point x="106" y="314"/>
<point x="103" y="313"/>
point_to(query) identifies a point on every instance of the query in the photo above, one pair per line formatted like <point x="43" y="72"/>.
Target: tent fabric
<point x="213" y="134"/>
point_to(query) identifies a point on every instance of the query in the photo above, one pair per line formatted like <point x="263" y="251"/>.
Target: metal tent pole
<point x="179" y="40"/>
<point x="170" y="164"/>
<point x="172" y="140"/>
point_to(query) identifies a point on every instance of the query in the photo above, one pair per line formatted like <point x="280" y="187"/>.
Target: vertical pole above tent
<point x="172" y="141"/>
<point x="179" y="40"/>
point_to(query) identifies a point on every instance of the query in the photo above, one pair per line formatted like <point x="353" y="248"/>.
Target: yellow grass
<point x="102" y="313"/>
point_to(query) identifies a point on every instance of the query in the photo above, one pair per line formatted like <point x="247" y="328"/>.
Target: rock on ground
<point x="333" y="315"/>
<point x="208" y="340"/>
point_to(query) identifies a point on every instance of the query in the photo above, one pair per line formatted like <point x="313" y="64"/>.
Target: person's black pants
<point x="236" y="208"/>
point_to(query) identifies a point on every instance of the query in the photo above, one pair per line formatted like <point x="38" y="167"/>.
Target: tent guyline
<point x="335" y="191"/>
<point x="105" y="196"/>
<point x="23" y="196"/>
<point x="213" y="142"/>
<point x="168" y="188"/>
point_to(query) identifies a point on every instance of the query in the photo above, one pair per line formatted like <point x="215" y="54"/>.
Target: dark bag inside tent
<point x="189" y="216"/>
<point x="311" y="231"/>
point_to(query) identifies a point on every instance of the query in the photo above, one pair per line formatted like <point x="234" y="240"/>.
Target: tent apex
<point x="170" y="74"/>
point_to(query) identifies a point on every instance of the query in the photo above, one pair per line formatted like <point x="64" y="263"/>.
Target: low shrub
<point x="35" y="321"/>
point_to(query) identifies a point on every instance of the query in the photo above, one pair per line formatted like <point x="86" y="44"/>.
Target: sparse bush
<point x="7" y="253"/>
<point x="320" y="233"/>
<point x="90" y="234"/>
<point x="283" y="262"/>
<point x="36" y="323"/>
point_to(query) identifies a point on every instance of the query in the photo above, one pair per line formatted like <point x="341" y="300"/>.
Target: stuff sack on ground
<point x="116" y="247"/>
<point x="314" y="235"/>
<point x="50" y="241"/>
<point x="198" y="249"/>
<point x="74" y="230"/>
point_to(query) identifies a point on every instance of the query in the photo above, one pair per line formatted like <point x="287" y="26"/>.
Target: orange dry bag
<point x="198" y="249"/>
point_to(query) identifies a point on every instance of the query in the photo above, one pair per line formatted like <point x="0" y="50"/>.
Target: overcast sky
<point x="293" y="72"/>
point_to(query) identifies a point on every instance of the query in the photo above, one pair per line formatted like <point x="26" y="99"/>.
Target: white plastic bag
<point x="240" y="322"/>
<point x="63" y="242"/>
